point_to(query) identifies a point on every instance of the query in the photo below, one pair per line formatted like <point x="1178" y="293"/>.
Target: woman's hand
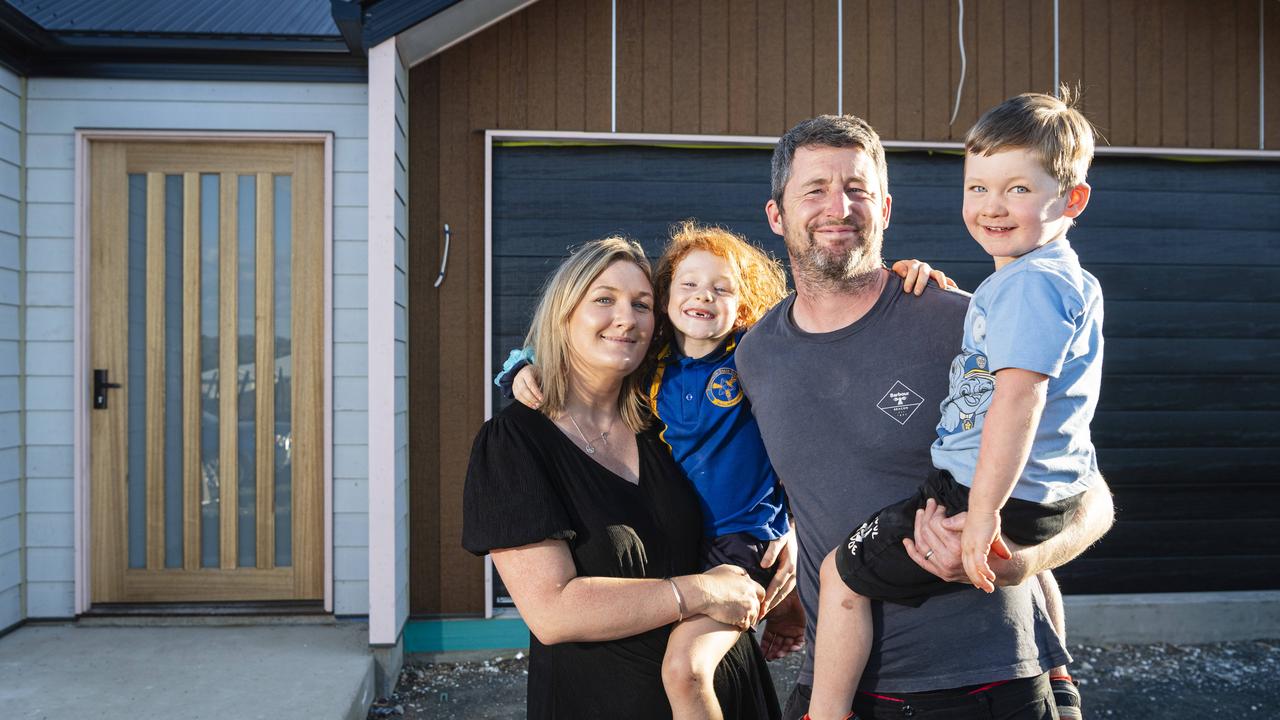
<point x="726" y="594"/>
<point x="526" y="387"/>
<point x="916" y="275"/>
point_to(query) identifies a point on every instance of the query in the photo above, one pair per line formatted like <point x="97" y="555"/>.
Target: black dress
<point x="526" y="483"/>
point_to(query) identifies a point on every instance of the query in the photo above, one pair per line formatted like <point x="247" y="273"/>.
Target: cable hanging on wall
<point x="963" y="63"/>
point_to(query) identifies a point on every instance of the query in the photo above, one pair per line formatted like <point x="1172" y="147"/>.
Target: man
<point x="845" y="377"/>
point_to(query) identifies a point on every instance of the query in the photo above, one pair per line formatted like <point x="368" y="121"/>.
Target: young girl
<point x="714" y="285"/>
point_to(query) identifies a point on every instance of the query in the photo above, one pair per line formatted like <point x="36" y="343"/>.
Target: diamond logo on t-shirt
<point x="900" y="403"/>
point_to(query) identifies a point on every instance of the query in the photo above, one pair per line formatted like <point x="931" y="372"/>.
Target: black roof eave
<point x="387" y="18"/>
<point x="31" y="51"/>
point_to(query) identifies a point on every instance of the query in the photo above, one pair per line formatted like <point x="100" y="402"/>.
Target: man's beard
<point x="827" y="270"/>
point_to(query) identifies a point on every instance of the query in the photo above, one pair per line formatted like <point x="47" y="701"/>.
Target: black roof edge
<point x="348" y="15"/>
<point x="176" y="69"/>
<point x="203" y="63"/>
<point x="20" y="39"/>
<point x="386" y="18"/>
<point x="31" y="51"/>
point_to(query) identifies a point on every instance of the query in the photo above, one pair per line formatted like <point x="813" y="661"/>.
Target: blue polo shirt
<point x="714" y="437"/>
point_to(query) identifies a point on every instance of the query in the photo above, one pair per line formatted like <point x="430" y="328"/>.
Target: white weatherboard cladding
<point x="11" y="545"/>
<point x="56" y="108"/>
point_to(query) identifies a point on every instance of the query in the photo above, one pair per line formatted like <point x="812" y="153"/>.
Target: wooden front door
<point x="206" y="365"/>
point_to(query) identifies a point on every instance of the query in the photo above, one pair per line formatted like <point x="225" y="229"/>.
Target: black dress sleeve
<point x="510" y="498"/>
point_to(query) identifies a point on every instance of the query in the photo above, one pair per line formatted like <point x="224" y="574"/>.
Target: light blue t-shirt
<point x="1041" y="312"/>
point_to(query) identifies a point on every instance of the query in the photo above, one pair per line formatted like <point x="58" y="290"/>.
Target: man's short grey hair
<point x="838" y="131"/>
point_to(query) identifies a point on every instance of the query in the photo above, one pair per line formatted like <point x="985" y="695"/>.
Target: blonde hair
<point x="1053" y="128"/>
<point x="547" y="333"/>
<point x="761" y="281"/>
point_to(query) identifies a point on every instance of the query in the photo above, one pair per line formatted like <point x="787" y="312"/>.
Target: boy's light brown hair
<point x="1051" y="127"/>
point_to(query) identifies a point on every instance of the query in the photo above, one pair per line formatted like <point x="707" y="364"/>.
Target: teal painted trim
<point x="433" y="636"/>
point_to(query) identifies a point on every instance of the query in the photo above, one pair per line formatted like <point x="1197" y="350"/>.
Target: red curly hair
<point x="761" y="281"/>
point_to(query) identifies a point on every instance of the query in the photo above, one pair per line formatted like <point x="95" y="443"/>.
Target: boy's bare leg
<point x="1065" y="694"/>
<point x="842" y="645"/>
<point x="694" y="649"/>
<point x="1054" y="609"/>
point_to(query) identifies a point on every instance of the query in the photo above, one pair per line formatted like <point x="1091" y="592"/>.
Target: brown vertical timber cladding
<point x="483" y="65"/>
<point x="191" y="397"/>
<point x="1017" y="48"/>
<point x="474" y="379"/>
<point x="713" y="67"/>
<point x="542" y="66"/>
<point x="109" y="218"/>
<point x="1041" y="38"/>
<point x="1149" y="74"/>
<point x="855" y="53"/>
<point x="264" y="362"/>
<point x="990" y="53"/>
<point x="742" y="67"/>
<point x="1200" y="74"/>
<point x="1173" y="75"/>
<point x="656" y="111"/>
<point x="424" y="328"/>
<point x="513" y="82"/>
<point x="308" y="372"/>
<point x="938" y="37"/>
<point x="631" y="65"/>
<point x="1123" y="86"/>
<point x="826" y="57"/>
<point x="1224" y="73"/>
<point x="771" y="81"/>
<point x="1271" y="75"/>
<point x="881" y="75"/>
<point x="909" y="115"/>
<point x="597" y="111"/>
<point x="570" y="75"/>
<point x="155" y="342"/>
<point x="1247" y="97"/>
<point x="1097" y="74"/>
<point x="460" y="184"/>
<point x="228" y="373"/>
<point x="1071" y="44"/>
<point x="684" y="67"/>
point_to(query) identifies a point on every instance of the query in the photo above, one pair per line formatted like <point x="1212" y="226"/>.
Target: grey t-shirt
<point x="848" y="418"/>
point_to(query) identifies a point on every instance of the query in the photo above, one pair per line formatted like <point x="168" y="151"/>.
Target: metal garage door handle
<point x="444" y="259"/>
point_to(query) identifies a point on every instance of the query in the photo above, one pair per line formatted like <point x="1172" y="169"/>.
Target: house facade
<point x="301" y="238"/>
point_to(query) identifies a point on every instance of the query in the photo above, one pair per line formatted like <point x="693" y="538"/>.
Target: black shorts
<point x="741" y="549"/>
<point x="874" y="563"/>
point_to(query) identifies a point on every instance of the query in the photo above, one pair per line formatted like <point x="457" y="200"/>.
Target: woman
<point x="590" y="523"/>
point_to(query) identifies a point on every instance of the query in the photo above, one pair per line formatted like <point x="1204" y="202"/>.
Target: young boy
<point x="1013" y="443"/>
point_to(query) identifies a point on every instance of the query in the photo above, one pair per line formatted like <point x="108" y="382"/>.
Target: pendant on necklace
<point x="590" y="450"/>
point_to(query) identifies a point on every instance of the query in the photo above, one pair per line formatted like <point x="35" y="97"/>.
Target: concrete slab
<point x="316" y="672"/>
<point x="1182" y="618"/>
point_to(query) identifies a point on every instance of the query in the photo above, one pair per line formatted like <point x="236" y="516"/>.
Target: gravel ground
<point x="1235" y="680"/>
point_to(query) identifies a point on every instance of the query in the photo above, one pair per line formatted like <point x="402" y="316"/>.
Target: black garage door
<point x="1188" y="427"/>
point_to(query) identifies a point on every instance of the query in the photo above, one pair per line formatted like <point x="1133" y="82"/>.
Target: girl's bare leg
<point x="694" y="649"/>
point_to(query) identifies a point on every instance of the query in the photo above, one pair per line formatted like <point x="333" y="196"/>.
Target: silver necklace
<point x="590" y="445"/>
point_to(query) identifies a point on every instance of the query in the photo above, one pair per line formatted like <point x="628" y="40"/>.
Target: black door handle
<point x="100" y="387"/>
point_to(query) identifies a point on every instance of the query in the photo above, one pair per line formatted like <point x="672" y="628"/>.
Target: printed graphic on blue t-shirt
<point x="972" y="385"/>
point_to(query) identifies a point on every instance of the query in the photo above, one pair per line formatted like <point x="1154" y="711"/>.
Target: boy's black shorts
<point x="874" y="563"/>
<point x="741" y="549"/>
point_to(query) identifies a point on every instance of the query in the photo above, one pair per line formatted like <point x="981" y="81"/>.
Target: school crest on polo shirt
<point x="723" y="389"/>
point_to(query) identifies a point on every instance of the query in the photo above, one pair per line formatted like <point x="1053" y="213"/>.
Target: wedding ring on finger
<point x="928" y="555"/>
